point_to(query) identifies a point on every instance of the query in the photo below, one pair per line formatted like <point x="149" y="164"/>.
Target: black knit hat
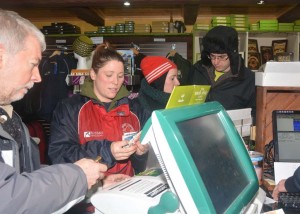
<point x="221" y="39"/>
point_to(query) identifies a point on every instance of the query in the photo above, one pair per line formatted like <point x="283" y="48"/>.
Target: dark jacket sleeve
<point x="142" y="113"/>
<point x="47" y="190"/>
<point x="139" y="162"/>
<point x="64" y="146"/>
<point x="292" y="184"/>
<point x="196" y="75"/>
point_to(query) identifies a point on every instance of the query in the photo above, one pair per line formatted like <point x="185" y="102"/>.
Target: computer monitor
<point x="286" y="135"/>
<point x="203" y="158"/>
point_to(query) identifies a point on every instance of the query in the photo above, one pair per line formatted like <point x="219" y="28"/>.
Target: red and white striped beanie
<point x="154" y="67"/>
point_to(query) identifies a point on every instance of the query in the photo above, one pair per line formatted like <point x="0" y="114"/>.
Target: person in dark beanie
<point x="232" y="84"/>
<point x="160" y="78"/>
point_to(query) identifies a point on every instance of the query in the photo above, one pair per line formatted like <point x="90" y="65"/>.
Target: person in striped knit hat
<point x="160" y="78"/>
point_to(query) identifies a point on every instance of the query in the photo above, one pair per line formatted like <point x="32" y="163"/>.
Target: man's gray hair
<point x="14" y="30"/>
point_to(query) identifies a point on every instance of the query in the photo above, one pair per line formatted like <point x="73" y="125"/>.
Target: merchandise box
<point x="77" y="76"/>
<point x="242" y="120"/>
<point x="284" y="74"/>
<point x="128" y="57"/>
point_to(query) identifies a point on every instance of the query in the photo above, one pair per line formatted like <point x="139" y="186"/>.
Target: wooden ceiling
<point x="95" y="12"/>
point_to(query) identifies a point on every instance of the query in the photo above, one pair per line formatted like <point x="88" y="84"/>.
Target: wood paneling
<point x="269" y="99"/>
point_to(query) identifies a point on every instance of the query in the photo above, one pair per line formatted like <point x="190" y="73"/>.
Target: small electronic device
<point x="286" y="135"/>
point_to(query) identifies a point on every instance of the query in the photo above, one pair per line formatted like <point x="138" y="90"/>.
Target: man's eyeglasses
<point x="218" y="57"/>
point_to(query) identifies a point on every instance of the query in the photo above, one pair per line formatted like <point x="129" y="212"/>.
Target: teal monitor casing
<point x="203" y="158"/>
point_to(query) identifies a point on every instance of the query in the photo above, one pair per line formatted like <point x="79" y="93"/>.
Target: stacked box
<point x="220" y="20"/>
<point x="91" y="33"/>
<point x="198" y="26"/>
<point x="120" y="28"/>
<point x="129" y="27"/>
<point x="101" y="29"/>
<point x="60" y="28"/>
<point x="110" y="29"/>
<point x="160" y="27"/>
<point x="142" y="28"/>
<point x="239" y="22"/>
<point x="254" y="27"/>
<point x="285" y="27"/>
<point x="297" y="25"/>
<point x="268" y="25"/>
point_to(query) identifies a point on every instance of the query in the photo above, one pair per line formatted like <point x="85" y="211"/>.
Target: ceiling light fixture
<point x="260" y="2"/>
<point x="127" y="3"/>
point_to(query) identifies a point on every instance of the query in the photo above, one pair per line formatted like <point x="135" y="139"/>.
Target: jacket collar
<point x="88" y="91"/>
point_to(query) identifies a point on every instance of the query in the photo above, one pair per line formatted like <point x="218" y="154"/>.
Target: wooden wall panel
<point x="268" y="100"/>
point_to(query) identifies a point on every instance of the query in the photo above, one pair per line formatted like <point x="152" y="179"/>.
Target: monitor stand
<point x="257" y="203"/>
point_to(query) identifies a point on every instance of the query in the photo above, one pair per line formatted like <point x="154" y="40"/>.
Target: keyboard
<point x="289" y="200"/>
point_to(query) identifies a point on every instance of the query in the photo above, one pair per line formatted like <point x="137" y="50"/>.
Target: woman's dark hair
<point x="103" y="54"/>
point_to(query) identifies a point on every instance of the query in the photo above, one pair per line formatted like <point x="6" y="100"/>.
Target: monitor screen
<point x="286" y="135"/>
<point x="208" y="144"/>
<point x="203" y="157"/>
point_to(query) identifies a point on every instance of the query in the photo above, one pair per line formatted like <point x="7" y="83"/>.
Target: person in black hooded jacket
<point x="221" y="67"/>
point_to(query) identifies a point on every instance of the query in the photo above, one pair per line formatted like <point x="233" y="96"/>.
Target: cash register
<point x="206" y="167"/>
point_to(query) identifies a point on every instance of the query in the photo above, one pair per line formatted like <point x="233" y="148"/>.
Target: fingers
<point x="111" y="179"/>
<point x="116" y="177"/>
<point x="275" y="194"/>
<point x="280" y="187"/>
<point x="92" y="170"/>
<point x="141" y="149"/>
<point x="121" y="151"/>
<point x="102" y="168"/>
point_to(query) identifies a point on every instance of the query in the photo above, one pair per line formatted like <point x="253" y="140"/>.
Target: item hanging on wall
<point x="254" y="61"/>
<point x="252" y="46"/>
<point x="279" y="46"/>
<point x="266" y="53"/>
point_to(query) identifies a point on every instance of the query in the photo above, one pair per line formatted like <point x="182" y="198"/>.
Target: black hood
<point x="221" y="39"/>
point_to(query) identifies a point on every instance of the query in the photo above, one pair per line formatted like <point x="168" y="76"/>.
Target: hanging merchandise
<point x="179" y="25"/>
<point x="83" y="46"/>
<point x="42" y="98"/>
<point x="54" y="71"/>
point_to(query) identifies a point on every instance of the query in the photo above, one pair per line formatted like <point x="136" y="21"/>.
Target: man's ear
<point x="93" y="74"/>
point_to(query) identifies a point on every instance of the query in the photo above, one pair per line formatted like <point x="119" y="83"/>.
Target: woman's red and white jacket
<point x="83" y="127"/>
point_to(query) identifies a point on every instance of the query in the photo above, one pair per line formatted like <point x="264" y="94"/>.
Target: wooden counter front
<point x="267" y="100"/>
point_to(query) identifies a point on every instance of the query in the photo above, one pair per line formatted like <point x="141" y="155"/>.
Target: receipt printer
<point x="139" y="194"/>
